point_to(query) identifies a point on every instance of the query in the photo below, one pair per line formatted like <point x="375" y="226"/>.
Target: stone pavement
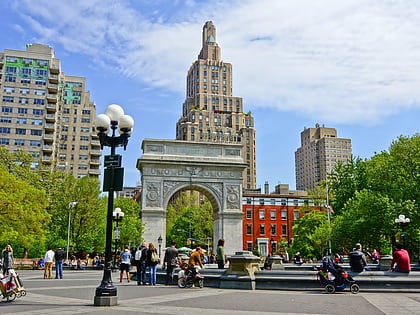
<point x="74" y="295"/>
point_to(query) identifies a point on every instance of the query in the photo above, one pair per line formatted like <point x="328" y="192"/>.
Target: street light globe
<point x="118" y="213"/>
<point x="401" y="217"/>
<point x="102" y="122"/>
<point x="126" y="123"/>
<point x="114" y="112"/>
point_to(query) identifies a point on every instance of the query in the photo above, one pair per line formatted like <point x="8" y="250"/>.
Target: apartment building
<point x="47" y="113"/>
<point x="318" y="154"/>
<point x="269" y="217"/>
<point x="210" y="112"/>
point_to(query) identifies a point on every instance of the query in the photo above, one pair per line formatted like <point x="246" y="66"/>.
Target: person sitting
<point x="267" y="263"/>
<point x="79" y="264"/>
<point x="298" y="259"/>
<point x="400" y="260"/>
<point x="41" y="264"/>
<point x="375" y="256"/>
<point x="73" y="263"/>
<point x="357" y="259"/>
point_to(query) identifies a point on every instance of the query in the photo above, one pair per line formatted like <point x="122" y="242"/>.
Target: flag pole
<point x="329" y="214"/>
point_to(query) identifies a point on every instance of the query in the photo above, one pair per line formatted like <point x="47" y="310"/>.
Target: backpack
<point x="154" y="257"/>
<point x="137" y="255"/>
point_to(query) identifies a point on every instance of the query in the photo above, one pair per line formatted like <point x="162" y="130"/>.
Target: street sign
<point x="113" y="179"/>
<point x="112" y="160"/>
<point x="117" y="232"/>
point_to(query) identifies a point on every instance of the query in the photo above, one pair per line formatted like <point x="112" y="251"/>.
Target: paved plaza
<point x="74" y="295"/>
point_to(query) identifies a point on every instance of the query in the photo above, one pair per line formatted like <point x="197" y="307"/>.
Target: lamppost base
<point x="105" y="301"/>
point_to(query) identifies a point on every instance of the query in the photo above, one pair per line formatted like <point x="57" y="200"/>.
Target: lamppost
<point x="71" y="205"/>
<point x="114" y="118"/>
<point x="160" y="244"/>
<point x="117" y="216"/>
<point x="402" y="221"/>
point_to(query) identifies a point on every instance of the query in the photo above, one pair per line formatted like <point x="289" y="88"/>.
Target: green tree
<point x="87" y="217"/>
<point x="131" y="225"/>
<point x="23" y="214"/>
<point x="311" y="234"/>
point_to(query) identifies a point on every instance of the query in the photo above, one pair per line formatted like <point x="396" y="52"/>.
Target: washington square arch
<point x="213" y="169"/>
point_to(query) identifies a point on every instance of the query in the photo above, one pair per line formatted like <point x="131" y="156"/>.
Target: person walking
<point x="58" y="257"/>
<point x="140" y="263"/>
<point x="220" y="251"/>
<point x="7" y="259"/>
<point x="152" y="261"/>
<point x="400" y="260"/>
<point x="357" y="259"/>
<point x="170" y="261"/>
<point x="125" y="257"/>
<point x="48" y="258"/>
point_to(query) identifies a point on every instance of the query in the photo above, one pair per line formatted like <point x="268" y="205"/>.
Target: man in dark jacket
<point x="170" y="261"/>
<point x="357" y="259"/>
<point x="140" y="263"/>
<point x="58" y="257"/>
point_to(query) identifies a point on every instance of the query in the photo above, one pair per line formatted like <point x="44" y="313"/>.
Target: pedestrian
<point x="357" y="259"/>
<point x="48" y="258"/>
<point x="400" y="260"/>
<point x="7" y="259"/>
<point x="142" y="265"/>
<point x="125" y="257"/>
<point x="58" y="257"/>
<point x="170" y="261"/>
<point x="220" y="251"/>
<point x="195" y="258"/>
<point x="152" y="261"/>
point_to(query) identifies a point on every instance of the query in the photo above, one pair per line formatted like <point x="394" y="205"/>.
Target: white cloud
<point x="339" y="61"/>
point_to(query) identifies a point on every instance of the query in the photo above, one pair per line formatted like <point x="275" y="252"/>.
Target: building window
<point x="284" y="229"/>
<point x="295" y="214"/>
<point x="8" y="99"/>
<point x="20" y="131"/>
<point x="273" y="229"/>
<point x="8" y="78"/>
<point x="39" y="92"/>
<point x="248" y="201"/>
<point x="22" y="110"/>
<point x="249" y="229"/>
<point x="35" y="143"/>
<point x="4" y="141"/>
<point x="63" y="146"/>
<point x="36" y="132"/>
<point x="19" y="142"/>
<point x="284" y="214"/>
<point x="261" y="201"/>
<point x="84" y="138"/>
<point x="84" y="147"/>
<point x="9" y="89"/>
<point x="249" y="214"/>
<point x="6" y="109"/>
<point x="23" y="100"/>
<point x="4" y="130"/>
<point x="83" y="167"/>
<point x="38" y="101"/>
<point x="262" y="214"/>
<point x="262" y="229"/>
<point x="85" y="120"/>
<point x="6" y="120"/>
<point x="36" y="122"/>
<point x="37" y="112"/>
<point x="272" y="214"/>
<point x="40" y="82"/>
<point x="249" y="246"/>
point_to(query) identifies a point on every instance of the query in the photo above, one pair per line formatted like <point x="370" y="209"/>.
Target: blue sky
<point x="352" y="65"/>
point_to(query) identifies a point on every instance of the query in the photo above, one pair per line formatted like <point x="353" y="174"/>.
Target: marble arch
<point x="215" y="169"/>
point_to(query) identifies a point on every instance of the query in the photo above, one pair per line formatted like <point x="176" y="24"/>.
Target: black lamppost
<point x="160" y="244"/>
<point x="114" y="118"/>
<point x="402" y="221"/>
<point x="117" y="216"/>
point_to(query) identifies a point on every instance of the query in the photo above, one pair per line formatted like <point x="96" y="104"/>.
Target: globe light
<point x="102" y="122"/>
<point x="126" y="123"/>
<point x="114" y="112"/>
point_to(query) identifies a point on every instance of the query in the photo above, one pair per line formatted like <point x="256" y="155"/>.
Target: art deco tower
<point x="210" y="113"/>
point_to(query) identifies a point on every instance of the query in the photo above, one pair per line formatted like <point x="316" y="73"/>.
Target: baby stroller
<point x="335" y="278"/>
<point x="11" y="286"/>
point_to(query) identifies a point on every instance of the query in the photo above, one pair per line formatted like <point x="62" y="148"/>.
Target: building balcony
<point x="95" y="152"/>
<point x="95" y="142"/>
<point x="95" y="162"/>
<point x="47" y="159"/>
<point x="54" y="69"/>
<point x="77" y="88"/>
<point x="50" y="117"/>
<point x="94" y="172"/>
<point x="48" y="137"/>
<point x="51" y="107"/>
<point x="47" y="148"/>
<point x="52" y="98"/>
<point x="49" y="126"/>
<point x="53" y="78"/>
<point x="52" y="87"/>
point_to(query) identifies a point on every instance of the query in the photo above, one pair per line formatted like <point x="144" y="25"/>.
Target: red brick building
<point x="269" y="217"/>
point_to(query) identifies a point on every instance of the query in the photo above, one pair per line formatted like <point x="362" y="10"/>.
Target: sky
<point x="352" y="65"/>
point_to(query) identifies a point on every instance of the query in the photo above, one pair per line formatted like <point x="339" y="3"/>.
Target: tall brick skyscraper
<point x="210" y="113"/>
